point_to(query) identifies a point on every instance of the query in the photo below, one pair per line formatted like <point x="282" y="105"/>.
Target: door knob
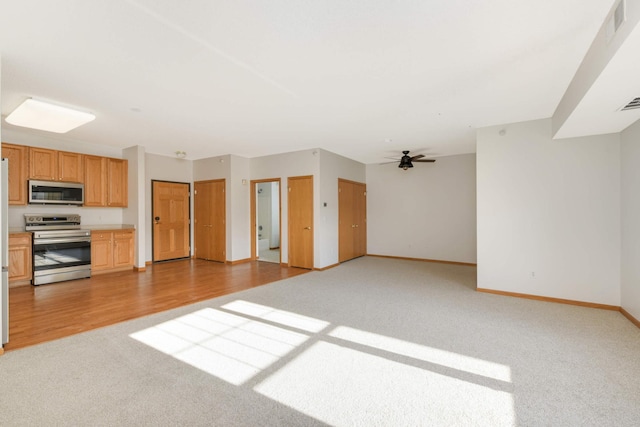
<point x="307" y="228"/>
<point x="157" y="218"/>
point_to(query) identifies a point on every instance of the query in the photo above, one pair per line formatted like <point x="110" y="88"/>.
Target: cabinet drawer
<point x="22" y="239"/>
<point x="101" y="235"/>
<point x="125" y="234"/>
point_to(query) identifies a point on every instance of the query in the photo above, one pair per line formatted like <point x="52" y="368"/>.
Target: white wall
<point x="426" y="212"/>
<point x="162" y="168"/>
<point x="298" y="163"/>
<point x="135" y="213"/>
<point x="89" y="216"/>
<point x="240" y="236"/>
<point x="549" y="213"/>
<point x="630" y="280"/>
<point x="332" y="167"/>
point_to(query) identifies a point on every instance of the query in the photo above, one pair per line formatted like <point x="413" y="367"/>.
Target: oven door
<point x="61" y="258"/>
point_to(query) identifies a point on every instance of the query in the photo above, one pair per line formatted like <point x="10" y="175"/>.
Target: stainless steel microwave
<point x="55" y="193"/>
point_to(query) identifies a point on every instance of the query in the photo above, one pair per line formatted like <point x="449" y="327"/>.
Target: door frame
<point x="254" y="207"/>
<point x="153" y="239"/>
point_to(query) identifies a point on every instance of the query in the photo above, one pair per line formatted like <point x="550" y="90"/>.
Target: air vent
<point x="632" y="105"/>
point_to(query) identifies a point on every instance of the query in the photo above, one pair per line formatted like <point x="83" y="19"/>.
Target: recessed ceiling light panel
<point x="41" y="115"/>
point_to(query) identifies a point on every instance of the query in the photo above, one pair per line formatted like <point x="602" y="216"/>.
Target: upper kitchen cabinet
<point x="18" y="172"/>
<point x="70" y="167"/>
<point x="43" y="164"/>
<point x="53" y="165"/>
<point x="105" y="182"/>
<point x="117" y="182"/>
<point x="95" y="181"/>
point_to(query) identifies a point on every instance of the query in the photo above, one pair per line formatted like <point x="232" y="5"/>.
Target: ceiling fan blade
<point x="425" y="160"/>
<point x="418" y="156"/>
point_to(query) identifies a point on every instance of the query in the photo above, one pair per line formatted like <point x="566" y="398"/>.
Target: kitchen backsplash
<point x="89" y="216"/>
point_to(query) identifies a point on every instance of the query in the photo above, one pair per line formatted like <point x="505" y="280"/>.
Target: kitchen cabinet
<point x="111" y="250"/>
<point x="18" y="156"/>
<point x="95" y="181"/>
<point x="43" y="164"/>
<point x="123" y="243"/>
<point x="53" y="165"/>
<point x="70" y="167"/>
<point x="20" y="259"/>
<point x="117" y="183"/>
<point x="105" y="182"/>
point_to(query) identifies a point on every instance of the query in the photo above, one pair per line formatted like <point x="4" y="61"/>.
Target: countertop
<point x="107" y="227"/>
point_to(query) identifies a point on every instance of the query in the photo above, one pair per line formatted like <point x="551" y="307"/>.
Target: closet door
<point x="352" y="217"/>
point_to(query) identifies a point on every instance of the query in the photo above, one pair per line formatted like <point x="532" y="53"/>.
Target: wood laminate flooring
<point x="47" y="312"/>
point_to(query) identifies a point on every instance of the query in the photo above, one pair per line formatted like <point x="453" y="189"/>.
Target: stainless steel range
<point x="61" y="250"/>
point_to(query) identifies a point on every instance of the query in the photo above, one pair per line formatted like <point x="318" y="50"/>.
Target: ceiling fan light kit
<point x="406" y="161"/>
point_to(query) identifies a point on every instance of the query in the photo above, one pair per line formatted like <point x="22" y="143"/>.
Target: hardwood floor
<point x="47" y="312"/>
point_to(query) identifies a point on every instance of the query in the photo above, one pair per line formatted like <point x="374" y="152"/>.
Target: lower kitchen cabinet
<point x="20" y="259"/>
<point x="111" y="250"/>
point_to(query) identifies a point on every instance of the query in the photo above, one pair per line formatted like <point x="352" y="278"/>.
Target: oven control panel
<point x="51" y="222"/>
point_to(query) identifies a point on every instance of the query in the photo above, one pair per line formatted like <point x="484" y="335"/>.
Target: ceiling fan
<point x="406" y="161"/>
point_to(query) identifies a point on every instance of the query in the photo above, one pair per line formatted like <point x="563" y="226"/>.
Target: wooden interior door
<point x="346" y="225"/>
<point x="301" y="221"/>
<point x="170" y="220"/>
<point x="210" y="220"/>
<point x="360" y="217"/>
<point x="352" y="217"/>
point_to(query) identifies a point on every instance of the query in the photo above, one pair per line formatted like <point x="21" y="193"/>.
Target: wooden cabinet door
<point x="70" y="167"/>
<point x="101" y="250"/>
<point x="18" y="156"/>
<point x="43" y="164"/>
<point x="123" y="248"/>
<point x="117" y="183"/>
<point x="20" y="258"/>
<point x="301" y="221"/>
<point x="95" y="181"/>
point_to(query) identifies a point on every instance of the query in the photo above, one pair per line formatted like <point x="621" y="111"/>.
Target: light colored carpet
<point x="372" y="342"/>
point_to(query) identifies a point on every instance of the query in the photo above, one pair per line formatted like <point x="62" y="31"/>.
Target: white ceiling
<point x="361" y="78"/>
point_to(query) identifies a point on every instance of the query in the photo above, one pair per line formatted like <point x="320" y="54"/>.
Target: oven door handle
<point x="62" y="240"/>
